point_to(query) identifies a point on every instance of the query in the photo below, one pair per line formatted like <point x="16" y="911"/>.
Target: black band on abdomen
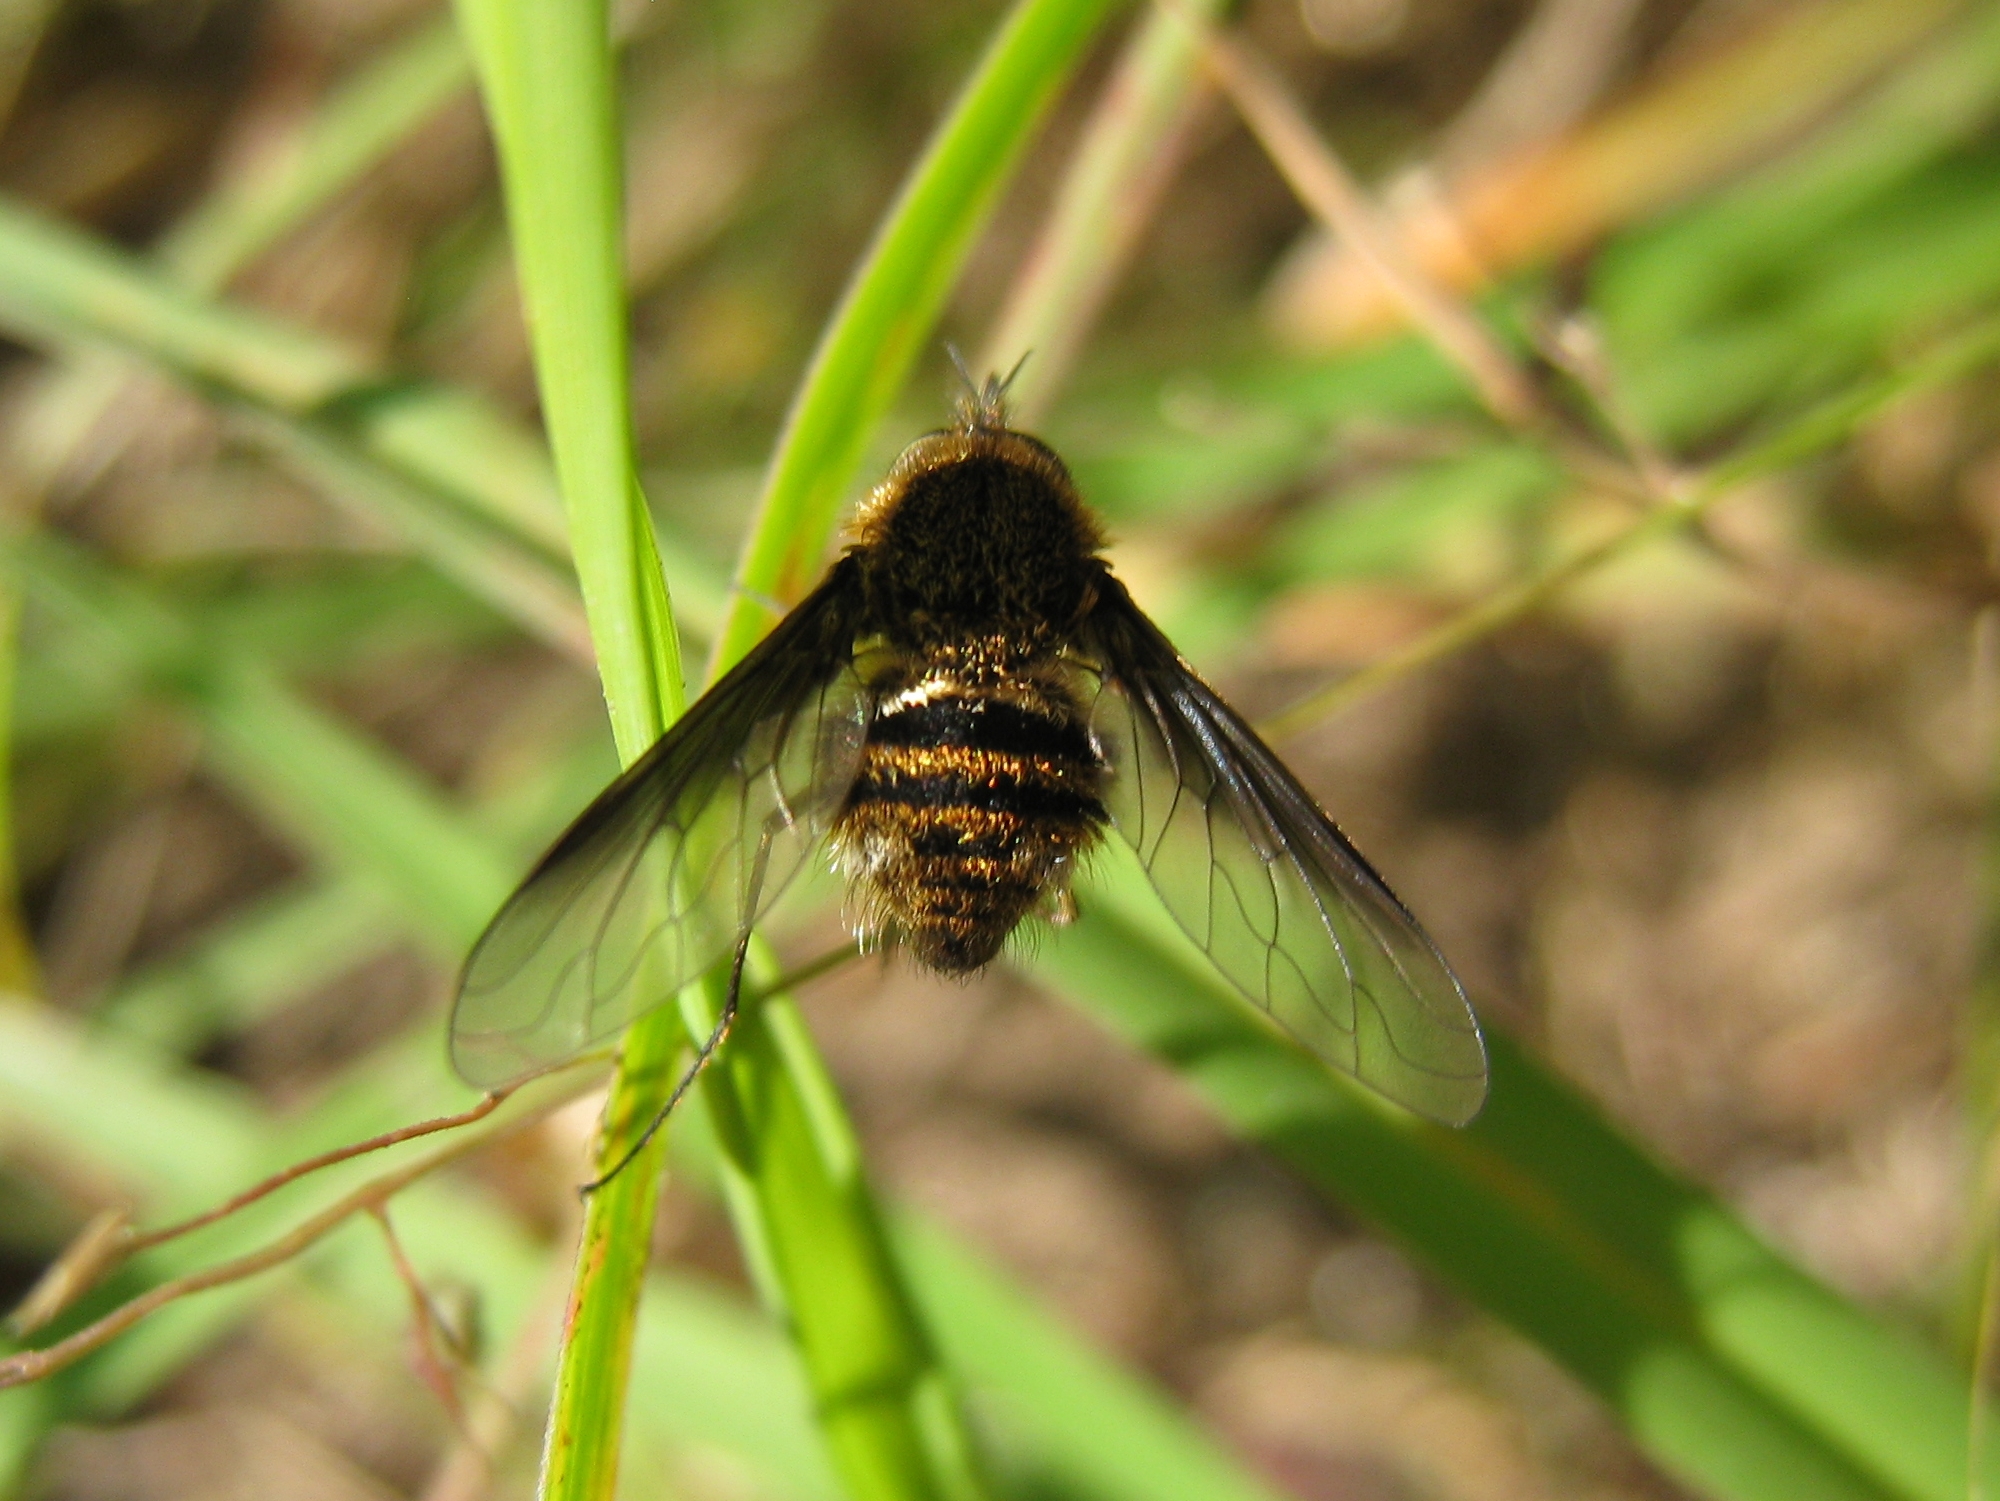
<point x="981" y="724"/>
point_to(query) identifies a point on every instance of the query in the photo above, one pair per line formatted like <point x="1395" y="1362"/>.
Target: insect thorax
<point x="976" y="533"/>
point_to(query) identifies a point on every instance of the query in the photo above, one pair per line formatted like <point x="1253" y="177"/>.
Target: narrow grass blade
<point x="1822" y="427"/>
<point x="546" y="74"/>
<point x="525" y="584"/>
<point x="307" y="774"/>
<point x="1100" y="1428"/>
<point x="264" y="956"/>
<point x="892" y="303"/>
<point x="364" y="117"/>
<point x="18" y="967"/>
<point x="360" y="121"/>
<point x="61" y="287"/>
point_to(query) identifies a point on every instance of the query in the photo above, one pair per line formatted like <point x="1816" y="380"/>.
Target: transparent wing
<point x="658" y="878"/>
<point x="1261" y="879"/>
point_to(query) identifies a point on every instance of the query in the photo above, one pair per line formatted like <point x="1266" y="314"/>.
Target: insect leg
<point x="701" y="1058"/>
<point x="722" y="1023"/>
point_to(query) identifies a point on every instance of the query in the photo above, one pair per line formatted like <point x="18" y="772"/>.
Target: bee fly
<point x="957" y="714"/>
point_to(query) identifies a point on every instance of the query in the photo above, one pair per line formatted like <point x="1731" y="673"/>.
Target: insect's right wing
<point x="658" y="879"/>
<point x="1260" y="878"/>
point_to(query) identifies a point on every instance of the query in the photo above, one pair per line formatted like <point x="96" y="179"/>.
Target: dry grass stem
<point x="1325" y="186"/>
<point x="33" y="1365"/>
<point x="497" y="1408"/>
<point x="431" y="1366"/>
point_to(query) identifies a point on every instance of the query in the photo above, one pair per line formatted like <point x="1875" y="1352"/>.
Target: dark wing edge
<point x="658" y="879"/>
<point x="1286" y="908"/>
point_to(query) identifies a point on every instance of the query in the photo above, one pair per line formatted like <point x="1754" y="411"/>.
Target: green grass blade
<point x="69" y="291"/>
<point x="1103" y="1430"/>
<point x="309" y="776"/>
<point x="362" y="118"/>
<point x="19" y="969"/>
<point x="546" y="74"/>
<point x="62" y="288"/>
<point x="358" y="123"/>
<point x="891" y="305"/>
<point x="263" y="957"/>
<point x="24" y="1419"/>
<point x="524" y="583"/>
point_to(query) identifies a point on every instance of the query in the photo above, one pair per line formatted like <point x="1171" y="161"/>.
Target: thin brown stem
<point x="432" y="1369"/>
<point x="1573" y="346"/>
<point x="1325" y="186"/>
<point x="145" y="1240"/>
<point x="110" y="1240"/>
<point x="33" y="1365"/>
<point x="498" y="1409"/>
<point x="1813" y="432"/>
<point x="1477" y="623"/>
<point x="1333" y="195"/>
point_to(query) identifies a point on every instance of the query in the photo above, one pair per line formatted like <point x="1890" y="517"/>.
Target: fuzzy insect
<point x="960" y="711"/>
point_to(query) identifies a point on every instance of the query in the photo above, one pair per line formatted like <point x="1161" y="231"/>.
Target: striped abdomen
<point x="970" y="808"/>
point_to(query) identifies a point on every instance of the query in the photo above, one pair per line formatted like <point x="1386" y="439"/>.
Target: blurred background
<point x="1705" y="833"/>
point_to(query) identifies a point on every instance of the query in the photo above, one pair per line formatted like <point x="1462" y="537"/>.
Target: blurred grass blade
<point x="1738" y="1372"/>
<point x="892" y="303"/>
<point x="361" y="120"/>
<point x="261" y="958"/>
<point x="334" y="792"/>
<point x="1674" y="277"/>
<point x="1821" y="427"/>
<point x="1104" y="1430"/>
<point x="1688" y="129"/>
<point x="19" y="967"/>
<point x="524" y="584"/>
<point x="274" y="951"/>
<point x="467" y="488"/>
<point x="62" y="288"/>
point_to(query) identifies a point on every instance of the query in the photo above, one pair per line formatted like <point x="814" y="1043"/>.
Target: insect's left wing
<point x="658" y="878"/>
<point x="1260" y="878"/>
